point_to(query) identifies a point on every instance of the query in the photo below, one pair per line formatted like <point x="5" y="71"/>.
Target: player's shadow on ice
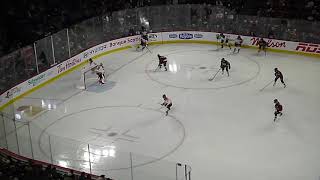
<point x="214" y="50"/>
<point x="156" y="71"/>
<point x="97" y="88"/>
<point x="272" y="89"/>
<point x="266" y="129"/>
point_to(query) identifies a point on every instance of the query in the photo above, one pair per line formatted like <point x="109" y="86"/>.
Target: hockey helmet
<point x="275" y="100"/>
<point x="275" y="69"/>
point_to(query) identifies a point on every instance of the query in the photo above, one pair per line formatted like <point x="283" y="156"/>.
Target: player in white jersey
<point x="237" y="44"/>
<point x="167" y="103"/>
<point x="101" y="73"/>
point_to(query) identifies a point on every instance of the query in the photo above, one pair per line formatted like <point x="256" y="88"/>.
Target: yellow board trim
<point x="127" y="47"/>
<point x="59" y="76"/>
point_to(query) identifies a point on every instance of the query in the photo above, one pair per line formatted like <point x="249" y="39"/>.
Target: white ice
<point x="223" y="128"/>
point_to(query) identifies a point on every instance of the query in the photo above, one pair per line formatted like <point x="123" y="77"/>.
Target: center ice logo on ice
<point x="185" y="36"/>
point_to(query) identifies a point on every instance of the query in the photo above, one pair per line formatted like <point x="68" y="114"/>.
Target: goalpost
<point x="88" y="77"/>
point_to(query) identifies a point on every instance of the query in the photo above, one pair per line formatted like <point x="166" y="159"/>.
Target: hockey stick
<point x="214" y="75"/>
<point x="266" y="86"/>
<point x="149" y="50"/>
<point x="162" y="106"/>
<point x="138" y="47"/>
<point x="158" y="68"/>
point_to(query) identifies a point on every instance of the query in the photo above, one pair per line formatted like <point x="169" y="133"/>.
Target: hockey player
<point x="237" y="44"/>
<point x="228" y="42"/>
<point x="92" y="65"/>
<point x="144" y="40"/>
<point x="278" y="75"/>
<point x="262" y="45"/>
<point x="162" y="61"/>
<point x="90" y="61"/>
<point x="225" y="65"/>
<point x="167" y="103"/>
<point x="222" y="38"/>
<point x="101" y="74"/>
<point x="278" y="109"/>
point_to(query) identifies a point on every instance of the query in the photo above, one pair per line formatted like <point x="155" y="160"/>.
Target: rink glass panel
<point x="17" y="67"/>
<point x="60" y="45"/>
<point x="45" y="56"/>
<point x="10" y="130"/>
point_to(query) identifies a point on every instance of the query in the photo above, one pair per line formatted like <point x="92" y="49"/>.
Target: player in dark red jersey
<point x="278" y="109"/>
<point x="225" y="65"/>
<point x="262" y="45"/>
<point x="162" y="61"/>
<point x="167" y="103"/>
<point x="278" y="75"/>
<point x="143" y="41"/>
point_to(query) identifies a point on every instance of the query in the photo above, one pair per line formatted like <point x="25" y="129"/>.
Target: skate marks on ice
<point x="283" y="126"/>
<point x="186" y="73"/>
<point x="100" y="88"/>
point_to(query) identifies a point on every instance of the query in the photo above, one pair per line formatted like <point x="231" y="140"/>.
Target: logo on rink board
<point x="68" y="64"/>
<point x="36" y="80"/>
<point x="13" y="91"/>
<point x="152" y="37"/>
<point x="198" y="36"/>
<point x="86" y="54"/>
<point x="271" y="43"/>
<point x="185" y="36"/>
<point x="111" y="44"/>
<point x="172" y="36"/>
<point x="311" y="48"/>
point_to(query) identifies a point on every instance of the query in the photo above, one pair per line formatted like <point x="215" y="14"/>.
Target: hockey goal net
<point x="88" y="77"/>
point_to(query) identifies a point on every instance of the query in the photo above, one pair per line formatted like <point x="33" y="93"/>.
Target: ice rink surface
<point x="223" y="128"/>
